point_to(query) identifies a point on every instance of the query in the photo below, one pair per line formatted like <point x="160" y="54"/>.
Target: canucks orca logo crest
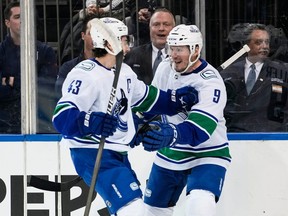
<point x="120" y="109"/>
<point x="208" y="74"/>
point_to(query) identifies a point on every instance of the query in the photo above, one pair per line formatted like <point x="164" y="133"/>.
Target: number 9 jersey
<point x="207" y="130"/>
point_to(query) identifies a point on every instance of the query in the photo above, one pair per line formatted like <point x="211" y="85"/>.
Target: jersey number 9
<point x="216" y="96"/>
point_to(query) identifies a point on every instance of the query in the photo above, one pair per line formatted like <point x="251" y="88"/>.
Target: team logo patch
<point x="86" y="65"/>
<point x="148" y="193"/>
<point x="208" y="75"/>
<point x="108" y="203"/>
<point x="134" y="186"/>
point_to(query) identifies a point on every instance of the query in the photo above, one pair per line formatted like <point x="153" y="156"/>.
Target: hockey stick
<point x="233" y="58"/>
<point x="111" y="38"/>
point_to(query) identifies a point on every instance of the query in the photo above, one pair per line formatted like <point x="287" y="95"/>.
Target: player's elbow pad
<point x="164" y="105"/>
<point x="190" y="134"/>
<point x="66" y="123"/>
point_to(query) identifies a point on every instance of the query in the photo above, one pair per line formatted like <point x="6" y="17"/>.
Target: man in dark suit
<point x="256" y="88"/>
<point x="11" y="76"/>
<point x="141" y="59"/>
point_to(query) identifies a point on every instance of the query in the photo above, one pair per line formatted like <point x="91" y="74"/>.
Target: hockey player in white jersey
<point x="192" y="149"/>
<point x="80" y="116"/>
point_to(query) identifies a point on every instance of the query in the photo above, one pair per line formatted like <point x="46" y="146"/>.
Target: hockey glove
<point x="97" y="123"/>
<point x="159" y="135"/>
<point x="184" y="98"/>
<point x="136" y="139"/>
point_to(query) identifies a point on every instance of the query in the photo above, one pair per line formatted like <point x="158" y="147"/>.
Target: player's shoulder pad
<point x="86" y="65"/>
<point x="208" y="74"/>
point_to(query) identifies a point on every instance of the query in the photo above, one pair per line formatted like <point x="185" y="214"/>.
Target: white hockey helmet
<point x="186" y="35"/>
<point x="117" y="26"/>
<point x="111" y="32"/>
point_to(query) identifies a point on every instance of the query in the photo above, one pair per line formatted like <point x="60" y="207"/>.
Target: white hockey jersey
<point x="207" y="134"/>
<point x="88" y="87"/>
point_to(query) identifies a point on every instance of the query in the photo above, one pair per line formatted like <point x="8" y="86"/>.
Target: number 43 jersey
<point x="206" y="134"/>
<point x="88" y="88"/>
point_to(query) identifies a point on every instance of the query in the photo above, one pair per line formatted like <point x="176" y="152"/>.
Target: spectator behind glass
<point x="77" y="23"/>
<point x="10" y="93"/>
<point x="85" y="54"/>
<point x="117" y="9"/>
<point x="91" y="9"/>
<point x="264" y="109"/>
<point x="141" y="58"/>
<point x="145" y="10"/>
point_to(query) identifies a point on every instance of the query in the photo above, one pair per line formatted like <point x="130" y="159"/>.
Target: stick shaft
<point x="233" y="58"/>
<point x="119" y="59"/>
<point x="94" y="177"/>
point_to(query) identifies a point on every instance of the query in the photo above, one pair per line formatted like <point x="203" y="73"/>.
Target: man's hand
<point x="97" y="123"/>
<point x="144" y="15"/>
<point x="9" y="81"/>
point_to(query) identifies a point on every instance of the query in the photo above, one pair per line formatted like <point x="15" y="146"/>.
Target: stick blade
<point x="52" y="186"/>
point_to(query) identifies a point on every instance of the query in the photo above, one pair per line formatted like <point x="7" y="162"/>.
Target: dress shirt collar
<point x="155" y="52"/>
<point x="258" y="67"/>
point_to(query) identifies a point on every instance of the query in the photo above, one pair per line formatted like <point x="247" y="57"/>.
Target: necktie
<point x="251" y="79"/>
<point x="157" y="61"/>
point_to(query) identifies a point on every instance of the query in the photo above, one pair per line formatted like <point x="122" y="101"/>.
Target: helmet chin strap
<point x="109" y="51"/>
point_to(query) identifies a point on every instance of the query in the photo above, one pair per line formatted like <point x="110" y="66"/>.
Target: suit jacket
<point x="265" y="108"/>
<point x="140" y="60"/>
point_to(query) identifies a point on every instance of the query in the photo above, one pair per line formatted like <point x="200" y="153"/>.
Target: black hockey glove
<point x="97" y="123"/>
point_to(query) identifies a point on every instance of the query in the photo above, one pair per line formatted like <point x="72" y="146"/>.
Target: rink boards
<point x="256" y="182"/>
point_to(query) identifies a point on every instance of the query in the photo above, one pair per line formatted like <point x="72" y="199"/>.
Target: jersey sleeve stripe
<point x="203" y="121"/>
<point x="149" y="101"/>
<point x="61" y="107"/>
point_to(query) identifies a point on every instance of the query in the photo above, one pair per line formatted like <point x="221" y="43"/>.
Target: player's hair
<point x="8" y="12"/>
<point x="98" y="52"/>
